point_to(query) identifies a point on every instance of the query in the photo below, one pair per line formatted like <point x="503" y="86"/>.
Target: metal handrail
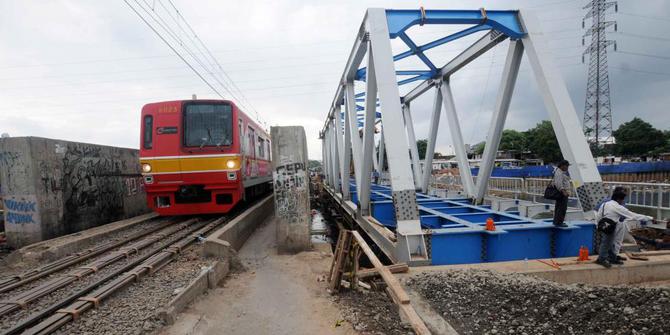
<point x="647" y="195"/>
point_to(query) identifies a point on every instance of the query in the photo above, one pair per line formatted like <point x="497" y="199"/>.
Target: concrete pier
<point x="51" y="187"/>
<point x="291" y="188"/>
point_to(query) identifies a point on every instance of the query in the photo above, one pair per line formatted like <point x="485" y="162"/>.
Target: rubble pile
<point x="485" y="302"/>
<point x="371" y="312"/>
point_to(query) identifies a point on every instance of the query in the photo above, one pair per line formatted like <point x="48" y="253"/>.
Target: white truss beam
<point x="457" y="139"/>
<point x="510" y="72"/>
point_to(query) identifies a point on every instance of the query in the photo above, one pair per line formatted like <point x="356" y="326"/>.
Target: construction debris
<point x="347" y="253"/>
<point x="486" y="302"/>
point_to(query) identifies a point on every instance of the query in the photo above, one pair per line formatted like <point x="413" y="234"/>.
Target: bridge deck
<point x="456" y="233"/>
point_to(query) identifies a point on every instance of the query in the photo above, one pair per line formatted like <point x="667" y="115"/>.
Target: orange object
<point x="583" y="254"/>
<point x="551" y="263"/>
<point x="490" y="226"/>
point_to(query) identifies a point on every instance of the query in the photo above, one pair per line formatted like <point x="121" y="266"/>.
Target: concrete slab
<point x="657" y="268"/>
<point x="53" y="187"/>
<point x="225" y="241"/>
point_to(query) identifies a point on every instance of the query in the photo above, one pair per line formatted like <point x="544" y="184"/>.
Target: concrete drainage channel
<point x="184" y="276"/>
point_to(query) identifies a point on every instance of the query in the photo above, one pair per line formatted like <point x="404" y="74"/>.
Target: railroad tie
<point x="149" y="268"/>
<point x="21" y="303"/>
<point x="136" y="276"/>
<point x="173" y="250"/>
<point x="75" y="275"/>
<point x="128" y="250"/>
<point x="73" y="312"/>
<point x="95" y="301"/>
<point x="91" y="267"/>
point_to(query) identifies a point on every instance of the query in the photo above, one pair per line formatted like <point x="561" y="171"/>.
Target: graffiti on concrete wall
<point x="290" y="185"/>
<point x="92" y="184"/>
<point x="20" y="210"/>
<point x="14" y="169"/>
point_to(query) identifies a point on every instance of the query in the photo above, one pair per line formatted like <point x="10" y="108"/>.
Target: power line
<point x="212" y="57"/>
<point x="646" y="16"/>
<point x="109" y="60"/>
<point x="161" y="22"/>
<point x="173" y="49"/>
<point x="642" y="36"/>
<point x="644" y="55"/>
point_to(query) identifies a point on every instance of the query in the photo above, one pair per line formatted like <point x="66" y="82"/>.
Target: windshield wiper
<point x="208" y="139"/>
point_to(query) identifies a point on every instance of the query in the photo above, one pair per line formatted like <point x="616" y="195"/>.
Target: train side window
<point x="261" y="147"/>
<point x="241" y="135"/>
<point x="252" y="142"/>
<point x="148" y="132"/>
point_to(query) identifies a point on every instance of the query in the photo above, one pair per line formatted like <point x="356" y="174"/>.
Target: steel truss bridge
<point x="402" y="218"/>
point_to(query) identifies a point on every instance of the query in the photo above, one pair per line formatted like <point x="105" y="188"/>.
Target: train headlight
<point x="146" y="167"/>
<point x="231" y="164"/>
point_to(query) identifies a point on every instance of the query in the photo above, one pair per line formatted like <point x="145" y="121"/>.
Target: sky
<point x="82" y="70"/>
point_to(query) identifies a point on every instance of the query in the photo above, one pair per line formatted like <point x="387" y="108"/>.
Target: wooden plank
<point x="388" y="277"/>
<point x="410" y="315"/>
<point x="395" y="268"/>
<point x="337" y="250"/>
<point x="413" y="318"/>
<point x="339" y="261"/>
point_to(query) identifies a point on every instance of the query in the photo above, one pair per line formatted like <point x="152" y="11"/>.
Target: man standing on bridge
<point x="564" y="185"/>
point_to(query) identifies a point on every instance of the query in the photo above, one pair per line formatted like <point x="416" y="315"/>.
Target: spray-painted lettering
<point x="20" y="211"/>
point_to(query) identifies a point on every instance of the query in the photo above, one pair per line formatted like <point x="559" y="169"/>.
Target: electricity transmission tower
<point x="598" y="108"/>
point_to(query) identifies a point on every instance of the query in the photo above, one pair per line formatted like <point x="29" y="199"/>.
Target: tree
<point x="422" y="146"/>
<point x="478" y="148"/>
<point x="542" y="142"/>
<point x="313" y="164"/>
<point x="513" y="140"/>
<point x="637" y="137"/>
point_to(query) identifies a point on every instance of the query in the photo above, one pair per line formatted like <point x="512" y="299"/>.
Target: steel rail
<point x="150" y="265"/>
<point x="13" y="282"/>
<point x="22" y="300"/>
<point x="35" y="318"/>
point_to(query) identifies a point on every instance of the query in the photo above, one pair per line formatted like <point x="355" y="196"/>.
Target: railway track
<point x="22" y="300"/>
<point x="12" y="282"/>
<point x="71" y="307"/>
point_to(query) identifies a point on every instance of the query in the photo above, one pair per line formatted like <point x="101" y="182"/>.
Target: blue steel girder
<point x="472" y="219"/>
<point x="504" y="21"/>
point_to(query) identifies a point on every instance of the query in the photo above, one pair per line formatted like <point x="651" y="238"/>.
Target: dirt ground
<point x="277" y="294"/>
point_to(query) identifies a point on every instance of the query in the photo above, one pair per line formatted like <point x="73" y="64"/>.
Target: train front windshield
<point x="208" y="125"/>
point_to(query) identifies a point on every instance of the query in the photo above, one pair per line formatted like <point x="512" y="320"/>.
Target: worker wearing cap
<point x="564" y="185"/>
<point x="610" y="244"/>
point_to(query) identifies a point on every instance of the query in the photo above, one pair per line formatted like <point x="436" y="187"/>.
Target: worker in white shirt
<point x="610" y="244"/>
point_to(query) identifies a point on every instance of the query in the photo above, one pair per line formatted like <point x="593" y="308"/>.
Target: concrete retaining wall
<point x="51" y="187"/>
<point x="236" y="232"/>
<point x="208" y="279"/>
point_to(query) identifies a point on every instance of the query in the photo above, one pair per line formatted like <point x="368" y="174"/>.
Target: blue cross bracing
<point x="458" y="234"/>
<point x="399" y="21"/>
<point x="504" y="21"/>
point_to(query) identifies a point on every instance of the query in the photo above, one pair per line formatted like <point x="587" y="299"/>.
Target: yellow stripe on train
<point x="189" y="164"/>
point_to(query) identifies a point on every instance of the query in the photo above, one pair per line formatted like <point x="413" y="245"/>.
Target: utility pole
<point x="598" y="108"/>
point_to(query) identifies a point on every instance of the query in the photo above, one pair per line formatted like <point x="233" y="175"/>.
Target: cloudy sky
<point x="81" y="70"/>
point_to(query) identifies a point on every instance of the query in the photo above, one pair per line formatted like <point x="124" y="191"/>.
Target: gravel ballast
<point x="371" y="312"/>
<point x="486" y="302"/>
<point x="135" y="309"/>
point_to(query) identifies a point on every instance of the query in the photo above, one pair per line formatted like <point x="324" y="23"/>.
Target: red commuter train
<point x="201" y="156"/>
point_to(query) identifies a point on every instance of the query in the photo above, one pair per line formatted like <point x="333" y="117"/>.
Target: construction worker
<point x="610" y="244"/>
<point x="564" y="185"/>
